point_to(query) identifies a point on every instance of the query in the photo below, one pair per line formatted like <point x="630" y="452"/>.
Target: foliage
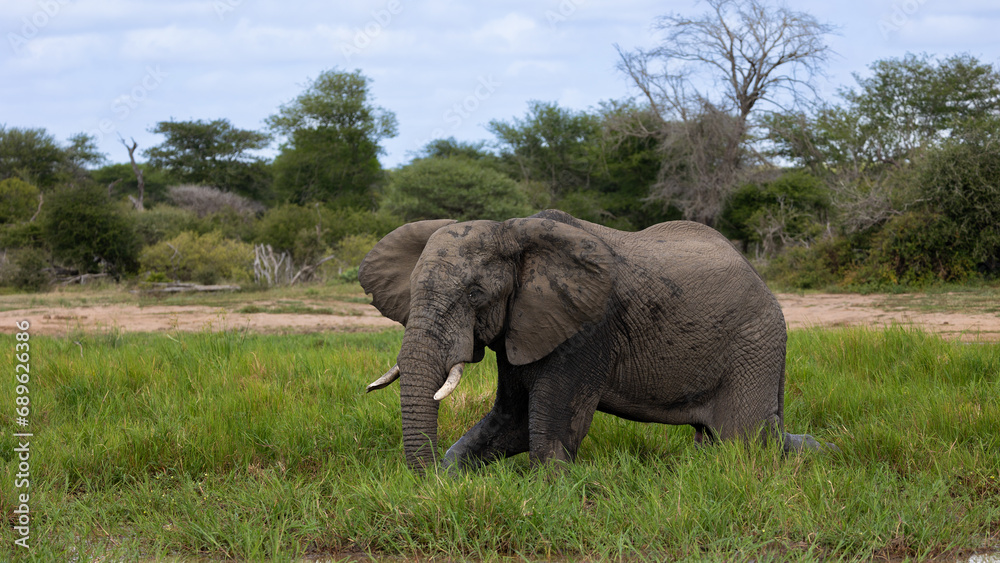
<point x="89" y="232"/>
<point x="207" y="258"/>
<point x="18" y="200"/>
<point x="757" y="51"/>
<point x="257" y="447"/>
<point x="121" y="181"/>
<point x="297" y="229"/>
<point x="351" y="250"/>
<point x="446" y="148"/>
<point x="206" y="200"/>
<point x="787" y="210"/>
<point x="455" y="188"/>
<point x="962" y="182"/>
<point x="332" y="134"/>
<point x="34" y="155"/>
<point x="915" y="249"/>
<point x="162" y="222"/>
<point x="308" y="232"/>
<point x="25" y="270"/>
<point x="551" y="145"/>
<point x="213" y="153"/>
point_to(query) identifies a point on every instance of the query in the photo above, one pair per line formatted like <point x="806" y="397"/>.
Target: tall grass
<point x="255" y="447"/>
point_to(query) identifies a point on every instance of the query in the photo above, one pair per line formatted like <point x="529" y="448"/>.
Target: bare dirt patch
<point x="812" y="310"/>
<point x="832" y="310"/>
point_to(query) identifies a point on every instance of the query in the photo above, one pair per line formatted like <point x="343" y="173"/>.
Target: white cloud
<point x="515" y="32"/>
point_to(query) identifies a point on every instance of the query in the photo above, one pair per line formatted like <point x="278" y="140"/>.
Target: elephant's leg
<point x="559" y="421"/>
<point x="502" y="432"/>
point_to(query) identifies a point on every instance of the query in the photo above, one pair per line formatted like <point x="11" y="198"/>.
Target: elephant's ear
<point x="385" y="271"/>
<point x="564" y="281"/>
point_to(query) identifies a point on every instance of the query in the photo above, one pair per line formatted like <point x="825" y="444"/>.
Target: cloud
<point x="512" y="32"/>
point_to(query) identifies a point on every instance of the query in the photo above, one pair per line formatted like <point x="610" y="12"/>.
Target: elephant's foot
<point x="803" y="442"/>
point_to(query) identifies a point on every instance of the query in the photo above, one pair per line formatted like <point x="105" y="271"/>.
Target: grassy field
<point x="255" y="447"/>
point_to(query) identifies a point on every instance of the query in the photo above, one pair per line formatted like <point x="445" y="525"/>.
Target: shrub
<point x="916" y="248"/>
<point x="25" y="271"/>
<point x="455" y="188"/>
<point x="296" y="229"/>
<point x="351" y="250"/>
<point x="163" y="222"/>
<point x="207" y="258"/>
<point x="205" y="200"/>
<point x="87" y="231"/>
<point x="786" y="209"/>
<point x="961" y="181"/>
<point x="18" y="200"/>
<point x="818" y="266"/>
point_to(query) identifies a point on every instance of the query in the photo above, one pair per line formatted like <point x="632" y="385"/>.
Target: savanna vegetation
<point x="233" y="445"/>
<point x="894" y="183"/>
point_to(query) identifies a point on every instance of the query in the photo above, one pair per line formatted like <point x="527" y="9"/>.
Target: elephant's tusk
<point x="385" y="380"/>
<point x="451" y="383"/>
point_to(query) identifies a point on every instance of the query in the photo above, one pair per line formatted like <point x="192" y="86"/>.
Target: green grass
<point x="265" y="447"/>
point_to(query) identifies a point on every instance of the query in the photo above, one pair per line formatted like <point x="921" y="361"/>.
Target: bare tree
<point x="138" y="174"/>
<point x="746" y="50"/>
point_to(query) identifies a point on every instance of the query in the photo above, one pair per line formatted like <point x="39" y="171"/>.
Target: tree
<point x="550" y="144"/>
<point x="213" y="153"/>
<point x="35" y="156"/>
<point x="866" y="145"/>
<point x="88" y="232"/>
<point x="758" y="53"/>
<point x="331" y="145"/>
<point x="450" y="147"/>
<point x="18" y="200"/>
<point x="456" y="188"/>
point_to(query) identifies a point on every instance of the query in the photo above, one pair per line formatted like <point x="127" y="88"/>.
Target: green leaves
<point x="332" y="134"/>
<point x="213" y="153"/>
<point x="454" y="188"/>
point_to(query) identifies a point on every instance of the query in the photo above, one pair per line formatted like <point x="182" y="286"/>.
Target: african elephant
<point x="670" y="324"/>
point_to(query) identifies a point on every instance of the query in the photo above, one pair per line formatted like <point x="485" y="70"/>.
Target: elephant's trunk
<point x="422" y="381"/>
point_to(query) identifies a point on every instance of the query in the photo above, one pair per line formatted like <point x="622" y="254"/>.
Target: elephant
<point x="670" y="324"/>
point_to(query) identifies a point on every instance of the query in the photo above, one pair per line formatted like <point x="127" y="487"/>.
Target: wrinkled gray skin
<point x="669" y="325"/>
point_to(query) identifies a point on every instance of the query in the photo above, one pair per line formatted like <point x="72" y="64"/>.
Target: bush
<point x="25" y="270"/>
<point x="18" y="200"/>
<point x="88" y="232"/>
<point x="205" y="200"/>
<point x="789" y="208"/>
<point x="961" y="181"/>
<point x="206" y="259"/>
<point x="296" y="229"/>
<point x="307" y="232"/>
<point x="352" y="249"/>
<point x="164" y="222"/>
<point x="915" y="249"/>
<point x="818" y="266"/>
<point x="454" y="188"/>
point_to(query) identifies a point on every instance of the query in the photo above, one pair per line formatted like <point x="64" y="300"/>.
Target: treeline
<point x="896" y="182"/>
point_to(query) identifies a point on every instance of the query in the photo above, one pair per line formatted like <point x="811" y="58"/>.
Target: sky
<point x="446" y="68"/>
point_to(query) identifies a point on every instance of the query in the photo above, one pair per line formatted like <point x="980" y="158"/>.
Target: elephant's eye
<point x="476" y="295"/>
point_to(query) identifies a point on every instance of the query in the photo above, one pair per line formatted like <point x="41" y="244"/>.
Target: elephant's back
<point x="685" y="247"/>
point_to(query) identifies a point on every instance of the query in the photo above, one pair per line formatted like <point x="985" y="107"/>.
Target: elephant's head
<point x="522" y="286"/>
